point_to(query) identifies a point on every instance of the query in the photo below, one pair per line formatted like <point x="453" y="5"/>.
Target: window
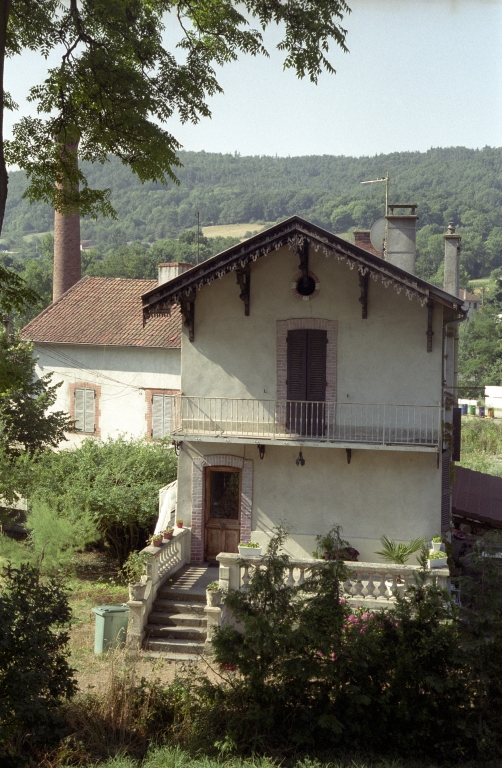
<point x="306" y="382"/>
<point x="84" y="410"/>
<point x="161" y="416"/>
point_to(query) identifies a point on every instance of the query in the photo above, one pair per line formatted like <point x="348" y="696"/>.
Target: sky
<point x="420" y="74"/>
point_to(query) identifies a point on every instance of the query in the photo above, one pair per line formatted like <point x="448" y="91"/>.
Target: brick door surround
<point x="198" y="498"/>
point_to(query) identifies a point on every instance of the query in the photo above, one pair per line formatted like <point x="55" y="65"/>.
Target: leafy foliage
<point x="115" y="483"/>
<point x="34" y="672"/>
<point x="398" y="552"/>
<point x="480" y="348"/>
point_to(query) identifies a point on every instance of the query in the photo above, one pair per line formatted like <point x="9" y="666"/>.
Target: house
<point x="317" y="388"/>
<point x="471" y="302"/>
<point x="117" y="377"/>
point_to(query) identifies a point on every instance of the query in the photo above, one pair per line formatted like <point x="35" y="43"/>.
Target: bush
<point x="34" y="672"/>
<point x="114" y="484"/>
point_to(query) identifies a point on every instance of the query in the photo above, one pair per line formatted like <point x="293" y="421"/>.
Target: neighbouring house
<point x="471" y="302"/>
<point x="117" y="376"/>
<point x="317" y="388"/>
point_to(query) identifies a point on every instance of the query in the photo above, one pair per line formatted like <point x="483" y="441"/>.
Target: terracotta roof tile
<point x="105" y="311"/>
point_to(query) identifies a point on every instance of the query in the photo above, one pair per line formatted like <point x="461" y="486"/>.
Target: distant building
<point x="471" y="304"/>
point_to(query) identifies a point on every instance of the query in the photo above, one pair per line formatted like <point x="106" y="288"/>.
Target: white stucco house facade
<point x="317" y="388"/>
<point x="117" y="377"/>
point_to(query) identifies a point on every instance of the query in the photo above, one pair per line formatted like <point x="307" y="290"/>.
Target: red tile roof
<point x="105" y="311"/>
<point x="477" y="496"/>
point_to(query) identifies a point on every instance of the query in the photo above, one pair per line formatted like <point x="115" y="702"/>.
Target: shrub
<point x="114" y="483"/>
<point x="34" y="672"/>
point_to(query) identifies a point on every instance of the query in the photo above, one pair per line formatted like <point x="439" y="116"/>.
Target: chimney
<point x="172" y="269"/>
<point x="67" y="269"/>
<point x="400" y="237"/>
<point x="362" y="240"/>
<point x="452" y="261"/>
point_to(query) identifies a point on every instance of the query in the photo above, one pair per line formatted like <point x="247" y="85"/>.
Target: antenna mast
<point x="374" y="181"/>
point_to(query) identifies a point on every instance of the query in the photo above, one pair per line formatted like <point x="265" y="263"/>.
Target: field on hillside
<point x="235" y="230"/>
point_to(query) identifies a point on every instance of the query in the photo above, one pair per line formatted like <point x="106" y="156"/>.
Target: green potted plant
<point x="133" y="573"/>
<point x="213" y="594"/>
<point x="167" y="533"/>
<point x="249" y="549"/>
<point x="398" y="552"/>
<point x="179" y="523"/>
<point x="437" y="559"/>
<point x="331" y="546"/>
<point x="437" y="544"/>
<point x="155" y="540"/>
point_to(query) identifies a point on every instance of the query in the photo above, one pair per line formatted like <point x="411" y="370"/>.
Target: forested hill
<point x="459" y="184"/>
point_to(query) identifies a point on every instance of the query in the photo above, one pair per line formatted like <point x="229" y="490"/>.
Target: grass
<point x="482" y="445"/>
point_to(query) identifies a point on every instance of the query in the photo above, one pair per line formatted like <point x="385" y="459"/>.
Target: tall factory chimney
<point x="67" y="268"/>
<point x="451" y="280"/>
<point x="400" y="237"/>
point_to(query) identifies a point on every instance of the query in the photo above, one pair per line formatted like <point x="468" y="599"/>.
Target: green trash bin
<point x="111" y="626"/>
<point x="472" y="410"/>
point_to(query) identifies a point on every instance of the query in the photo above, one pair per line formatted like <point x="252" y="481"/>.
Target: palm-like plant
<point x="397" y="552"/>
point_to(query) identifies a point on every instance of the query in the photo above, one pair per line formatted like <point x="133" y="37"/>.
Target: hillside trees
<point x="117" y="84"/>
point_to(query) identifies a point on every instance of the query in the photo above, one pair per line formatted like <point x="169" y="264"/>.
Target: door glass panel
<point x="224" y="495"/>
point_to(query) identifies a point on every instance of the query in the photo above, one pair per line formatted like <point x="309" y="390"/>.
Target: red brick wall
<point x="362" y="240"/>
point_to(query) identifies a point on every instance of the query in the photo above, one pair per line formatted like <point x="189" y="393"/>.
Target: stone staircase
<point x="177" y="625"/>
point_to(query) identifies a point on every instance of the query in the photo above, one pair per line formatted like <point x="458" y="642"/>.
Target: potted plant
<point x="437" y="544"/>
<point x="436" y="559"/>
<point x="167" y="534"/>
<point x="398" y="552"/>
<point x="333" y="547"/>
<point x="155" y="540"/>
<point x="249" y="549"/>
<point x="179" y="523"/>
<point x="133" y="573"/>
<point x="213" y="594"/>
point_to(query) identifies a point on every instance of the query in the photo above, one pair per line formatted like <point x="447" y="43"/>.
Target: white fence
<point x="328" y="422"/>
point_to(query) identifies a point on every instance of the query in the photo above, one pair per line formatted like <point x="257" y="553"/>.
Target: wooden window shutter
<point x="89" y="410"/>
<point x="297" y="365"/>
<point x="157" y="417"/>
<point x="79" y="412"/>
<point x="316" y="365"/>
<point x="457" y="433"/>
<point x="168" y="410"/>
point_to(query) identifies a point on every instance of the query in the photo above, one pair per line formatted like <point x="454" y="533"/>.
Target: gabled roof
<point x="104" y="311"/>
<point x="292" y="233"/>
<point x="477" y="496"/>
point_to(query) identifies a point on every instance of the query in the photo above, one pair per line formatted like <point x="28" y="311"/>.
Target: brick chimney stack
<point x="172" y="269"/>
<point x="362" y="240"/>
<point x="67" y="267"/>
<point x="451" y="280"/>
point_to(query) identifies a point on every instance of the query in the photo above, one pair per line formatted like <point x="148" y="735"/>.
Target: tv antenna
<point x="375" y="181"/>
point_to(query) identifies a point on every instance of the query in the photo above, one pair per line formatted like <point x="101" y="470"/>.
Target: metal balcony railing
<point x="320" y="422"/>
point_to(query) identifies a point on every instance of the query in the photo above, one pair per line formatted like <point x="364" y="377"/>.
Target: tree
<point x="34" y="672"/>
<point x="480" y="349"/>
<point x="117" y="84"/>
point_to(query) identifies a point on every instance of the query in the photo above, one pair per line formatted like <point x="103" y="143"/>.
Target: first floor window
<point x="161" y="416"/>
<point x="85" y="410"/>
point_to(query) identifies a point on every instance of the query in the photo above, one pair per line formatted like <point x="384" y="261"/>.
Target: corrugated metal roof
<point x="105" y="311"/>
<point x="477" y="496"/>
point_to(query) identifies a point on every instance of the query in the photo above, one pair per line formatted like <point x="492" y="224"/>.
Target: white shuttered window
<point x="84" y="410"/>
<point x="161" y="416"/>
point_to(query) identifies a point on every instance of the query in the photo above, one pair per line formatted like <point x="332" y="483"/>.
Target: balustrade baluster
<point x="290" y="581"/>
<point x="301" y="577"/>
<point x="245" y="577"/>
<point x="378" y="585"/>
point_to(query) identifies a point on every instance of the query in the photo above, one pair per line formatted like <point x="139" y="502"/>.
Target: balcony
<point x="374" y="426"/>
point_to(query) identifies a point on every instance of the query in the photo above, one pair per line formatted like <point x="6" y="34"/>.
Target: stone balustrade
<point x="161" y="562"/>
<point x="371" y="584"/>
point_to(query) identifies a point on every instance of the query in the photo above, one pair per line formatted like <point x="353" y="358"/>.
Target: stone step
<point x="174" y="606"/>
<point x="170" y="593"/>
<point x="186" y="648"/>
<point x="177" y="619"/>
<point x="173" y="633"/>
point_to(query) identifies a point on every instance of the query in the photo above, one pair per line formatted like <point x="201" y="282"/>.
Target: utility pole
<point x="197" y="219"/>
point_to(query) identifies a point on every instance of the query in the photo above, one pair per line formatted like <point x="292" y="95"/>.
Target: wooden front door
<point x="223" y="511"/>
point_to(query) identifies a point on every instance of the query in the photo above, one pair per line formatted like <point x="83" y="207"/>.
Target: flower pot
<point x="157" y="542"/>
<point x="168" y="536"/>
<point x="437" y="546"/>
<point x="250" y="551"/>
<point x="213" y="597"/>
<point x="439" y="562"/>
<point x="137" y="591"/>
<point x="179" y="525"/>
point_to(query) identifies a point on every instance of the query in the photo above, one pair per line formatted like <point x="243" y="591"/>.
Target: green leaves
<point x="398" y="552"/>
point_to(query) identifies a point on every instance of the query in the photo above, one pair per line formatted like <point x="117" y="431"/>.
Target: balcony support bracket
<point x="349" y="455"/>
<point x="429" y="333"/>
<point x="187" y="306"/>
<point x="303" y="253"/>
<point x="363" y="285"/>
<point x="244" y="283"/>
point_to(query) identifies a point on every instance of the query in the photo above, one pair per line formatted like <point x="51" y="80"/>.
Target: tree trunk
<point x="5" y="6"/>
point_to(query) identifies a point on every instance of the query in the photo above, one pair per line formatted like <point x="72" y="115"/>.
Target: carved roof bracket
<point x="429" y="332"/>
<point x="244" y="282"/>
<point x="187" y="307"/>
<point x="363" y="298"/>
<point x="303" y="253"/>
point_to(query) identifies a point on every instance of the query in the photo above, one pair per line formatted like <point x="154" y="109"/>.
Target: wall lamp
<point x="300" y="462"/>
<point x="261" y="449"/>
